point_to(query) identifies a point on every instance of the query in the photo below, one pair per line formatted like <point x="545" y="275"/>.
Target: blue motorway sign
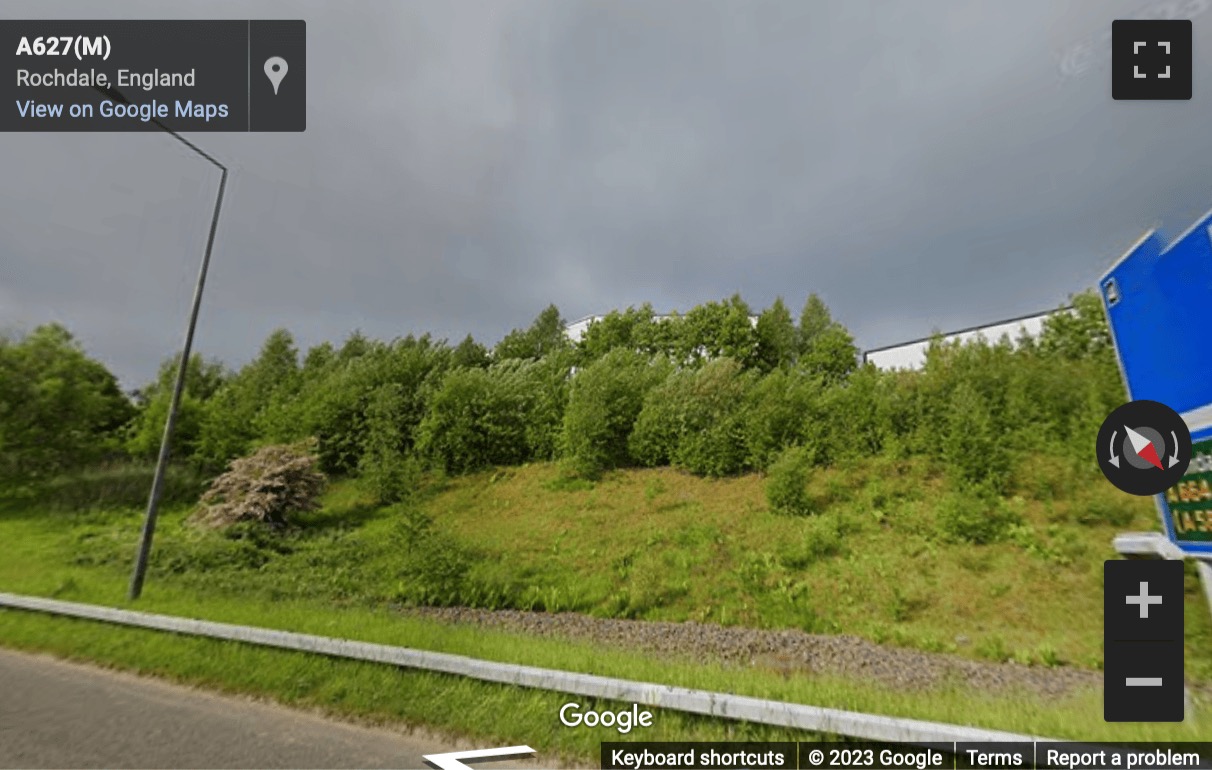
<point x="1158" y="297"/>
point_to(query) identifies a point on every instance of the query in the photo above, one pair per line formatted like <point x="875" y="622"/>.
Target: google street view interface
<point x="632" y="384"/>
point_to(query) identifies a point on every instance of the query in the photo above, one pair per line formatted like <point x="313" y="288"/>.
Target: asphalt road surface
<point x="55" y="714"/>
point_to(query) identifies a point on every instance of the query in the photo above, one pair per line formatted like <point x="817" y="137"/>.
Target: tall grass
<point x="121" y="485"/>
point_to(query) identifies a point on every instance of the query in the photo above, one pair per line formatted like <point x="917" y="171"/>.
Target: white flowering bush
<point x="266" y="487"/>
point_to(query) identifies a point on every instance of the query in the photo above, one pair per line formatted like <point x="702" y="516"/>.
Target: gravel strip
<point x="788" y="652"/>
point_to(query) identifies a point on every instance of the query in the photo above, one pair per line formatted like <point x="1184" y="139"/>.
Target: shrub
<point x="854" y="420"/>
<point x="961" y="379"/>
<point x="267" y="487"/>
<point x="1093" y="509"/>
<point x="544" y="336"/>
<point x="433" y="566"/>
<point x="478" y="418"/>
<point x="712" y="439"/>
<point x="975" y="515"/>
<point x="831" y="355"/>
<point x="973" y="448"/>
<point x="776" y="336"/>
<point x="787" y="484"/>
<point x="390" y="477"/>
<point x="616" y="330"/>
<point x="993" y="647"/>
<point x="822" y="537"/>
<point x="654" y="439"/>
<point x="383" y="466"/>
<point x="605" y="399"/>
<point x="233" y="419"/>
<point x="696" y="420"/>
<point x="549" y="383"/>
<point x="1080" y="334"/>
<point x="715" y="330"/>
<point x="59" y="409"/>
<point x="145" y="432"/>
<point x="332" y="405"/>
<point x="781" y="406"/>
<point x="1049" y="656"/>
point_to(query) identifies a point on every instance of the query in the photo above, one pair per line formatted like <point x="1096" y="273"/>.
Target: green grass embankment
<point x="656" y="545"/>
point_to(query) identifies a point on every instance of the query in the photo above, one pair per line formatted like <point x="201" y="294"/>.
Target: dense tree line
<point x="59" y="409"/>
<point x="712" y="391"/>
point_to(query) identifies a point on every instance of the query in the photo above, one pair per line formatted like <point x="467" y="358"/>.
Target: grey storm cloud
<point x="921" y="164"/>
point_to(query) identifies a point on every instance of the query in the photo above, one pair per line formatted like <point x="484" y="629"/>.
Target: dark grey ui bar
<point x="104" y="75"/>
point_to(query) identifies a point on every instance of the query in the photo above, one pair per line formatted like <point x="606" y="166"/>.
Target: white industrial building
<point x="576" y="329"/>
<point x="912" y="355"/>
<point x="905" y="355"/>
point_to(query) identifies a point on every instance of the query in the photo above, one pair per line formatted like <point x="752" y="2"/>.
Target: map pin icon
<point x="275" y="70"/>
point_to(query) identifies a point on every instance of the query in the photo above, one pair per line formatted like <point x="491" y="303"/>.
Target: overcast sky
<point x="921" y="164"/>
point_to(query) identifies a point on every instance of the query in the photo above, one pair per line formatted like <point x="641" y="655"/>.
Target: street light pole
<point x="153" y="500"/>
